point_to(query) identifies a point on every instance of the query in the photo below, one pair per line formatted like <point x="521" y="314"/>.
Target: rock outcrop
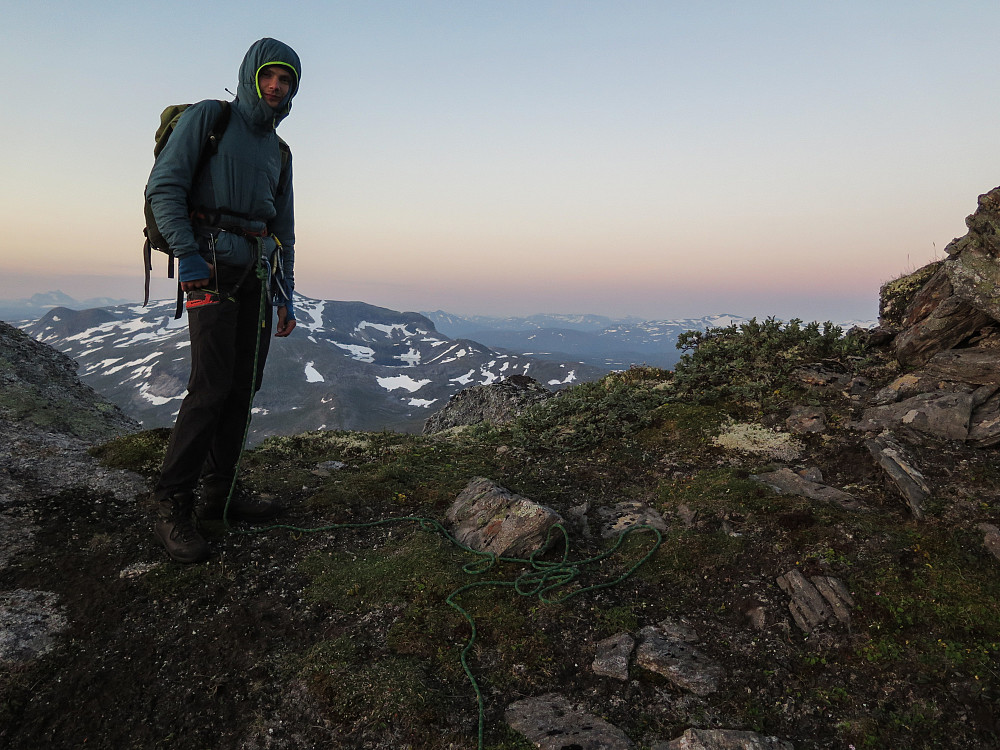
<point x="499" y="403"/>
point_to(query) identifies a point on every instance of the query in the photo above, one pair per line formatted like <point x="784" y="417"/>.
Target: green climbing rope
<point x="541" y="579"/>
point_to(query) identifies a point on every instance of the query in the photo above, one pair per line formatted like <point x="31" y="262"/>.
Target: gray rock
<point x="787" y="482"/>
<point x="945" y="415"/>
<point x="613" y="656"/>
<point x="551" y="722"/>
<point x="489" y="518"/>
<point x="29" y="622"/>
<point x="498" y="403"/>
<point x="991" y="538"/>
<point x="628" y="515"/>
<point x="936" y="319"/>
<point x="901" y="470"/>
<point x="678" y="661"/>
<point x="806" y="419"/>
<point x="723" y="739"/>
<point x="817" y="601"/>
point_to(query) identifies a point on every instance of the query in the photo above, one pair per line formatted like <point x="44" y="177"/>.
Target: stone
<point x="787" y="482"/>
<point x="901" y="469"/>
<point x="821" y="600"/>
<point x="991" y="538"/>
<point x="613" y="656"/>
<point x="806" y="419"/>
<point x="551" y="722"/>
<point x="945" y="415"/>
<point x="937" y="319"/>
<point x="489" y="518"/>
<point x="723" y="739"/>
<point x="682" y="664"/>
<point x="984" y="425"/>
<point x="628" y="515"/>
<point x="29" y="622"/>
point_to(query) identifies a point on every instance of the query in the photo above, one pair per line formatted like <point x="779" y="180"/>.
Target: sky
<point x="655" y="159"/>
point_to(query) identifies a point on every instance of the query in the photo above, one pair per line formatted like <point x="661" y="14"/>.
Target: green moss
<point x="142" y="452"/>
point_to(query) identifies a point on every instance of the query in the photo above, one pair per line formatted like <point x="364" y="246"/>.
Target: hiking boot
<point x="243" y="505"/>
<point x="176" y="530"/>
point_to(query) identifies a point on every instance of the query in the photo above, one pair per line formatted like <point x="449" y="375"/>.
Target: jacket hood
<point x="262" y="53"/>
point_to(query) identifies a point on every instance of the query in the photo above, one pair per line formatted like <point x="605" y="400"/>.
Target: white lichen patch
<point x="758" y="440"/>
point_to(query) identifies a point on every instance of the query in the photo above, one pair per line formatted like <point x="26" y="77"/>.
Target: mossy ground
<point x="345" y="631"/>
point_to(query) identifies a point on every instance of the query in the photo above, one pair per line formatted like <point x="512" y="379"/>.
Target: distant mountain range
<point x="18" y="311"/>
<point x="350" y="365"/>
<point x="606" y="343"/>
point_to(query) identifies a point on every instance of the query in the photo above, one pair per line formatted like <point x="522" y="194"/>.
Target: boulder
<point x="489" y="518"/>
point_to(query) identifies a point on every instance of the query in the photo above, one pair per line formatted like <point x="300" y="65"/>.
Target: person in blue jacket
<point x="230" y="224"/>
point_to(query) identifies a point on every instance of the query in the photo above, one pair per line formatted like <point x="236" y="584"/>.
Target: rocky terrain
<point x="789" y="541"/>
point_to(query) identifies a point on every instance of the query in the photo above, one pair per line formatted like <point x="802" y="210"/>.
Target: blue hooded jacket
<point x="241" y="181"/>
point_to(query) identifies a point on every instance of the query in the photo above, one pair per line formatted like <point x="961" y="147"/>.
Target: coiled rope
<point x="541" y="578"/>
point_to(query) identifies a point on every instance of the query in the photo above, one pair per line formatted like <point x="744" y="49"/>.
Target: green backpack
<point x="154" y="239"/>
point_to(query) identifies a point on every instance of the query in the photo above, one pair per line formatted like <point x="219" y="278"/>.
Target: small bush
<point x="751" y="362"/>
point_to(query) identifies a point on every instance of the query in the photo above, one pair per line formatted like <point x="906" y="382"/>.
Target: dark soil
<point x="343" y="638"/>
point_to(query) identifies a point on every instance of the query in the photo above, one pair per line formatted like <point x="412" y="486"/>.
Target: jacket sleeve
<point x="173" y="174"/>
<point x="282" y="226"/>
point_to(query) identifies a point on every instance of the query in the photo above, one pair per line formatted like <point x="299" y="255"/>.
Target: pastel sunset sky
<point x="651" y="158"/>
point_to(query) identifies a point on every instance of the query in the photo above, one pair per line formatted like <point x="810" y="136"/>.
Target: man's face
<point x="274" y="82"/>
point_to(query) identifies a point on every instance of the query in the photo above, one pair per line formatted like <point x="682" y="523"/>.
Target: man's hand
<point x="285" y="324"/>
<point x="190" y="286"/>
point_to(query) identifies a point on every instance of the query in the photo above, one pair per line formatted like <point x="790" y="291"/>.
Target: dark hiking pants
<point x="208" y="435"/>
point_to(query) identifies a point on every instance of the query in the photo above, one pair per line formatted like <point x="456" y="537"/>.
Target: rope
<point x="541" y="579"/>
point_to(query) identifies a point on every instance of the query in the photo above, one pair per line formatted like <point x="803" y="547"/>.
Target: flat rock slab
<point x="816" y="601"/>
<point x="787" y="482"/>
<point x="488" y="518"/>
<point x="678" y="661"/>
<point x="723" y="739"/>
<point x="901" y="469"/>
<point x="29" y="623"/>
<point x="613" y="656"/>
<point x="551" y="722"/>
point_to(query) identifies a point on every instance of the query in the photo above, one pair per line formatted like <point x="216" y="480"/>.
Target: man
<point x="230" y="224"/>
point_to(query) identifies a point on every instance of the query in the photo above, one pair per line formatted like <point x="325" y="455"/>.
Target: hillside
<point x="334" y="631"/>
<point x="790" y="541"/>
<point x="349" y="365"/>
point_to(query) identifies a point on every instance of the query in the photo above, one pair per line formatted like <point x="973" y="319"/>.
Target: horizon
<point x="632" y="159"/>
<point x="113" y="301"/>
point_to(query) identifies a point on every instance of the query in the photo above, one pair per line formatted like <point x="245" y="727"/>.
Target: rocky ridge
<point x="826" y="574"/>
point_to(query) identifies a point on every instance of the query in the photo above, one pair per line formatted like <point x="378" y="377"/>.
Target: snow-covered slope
<point x="348" y="365"/>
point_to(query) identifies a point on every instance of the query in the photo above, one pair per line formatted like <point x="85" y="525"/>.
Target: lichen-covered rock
<point x="489" y="518"/>
<point x="896" y="296"/>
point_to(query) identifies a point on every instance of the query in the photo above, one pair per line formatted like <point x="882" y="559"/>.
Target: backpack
<point x="154" y="238"/>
